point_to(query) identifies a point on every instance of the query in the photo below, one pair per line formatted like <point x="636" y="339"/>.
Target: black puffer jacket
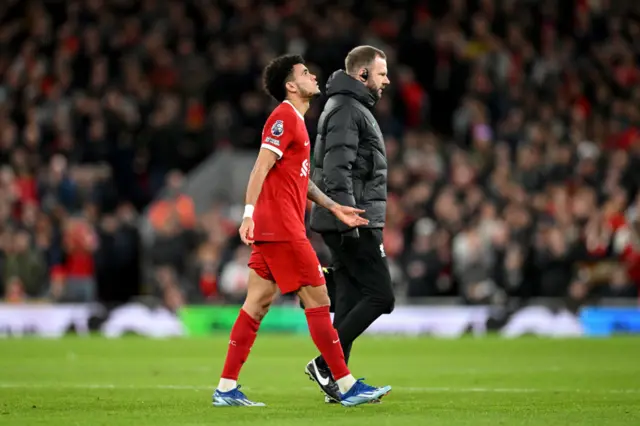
<point x="350" y="161"/>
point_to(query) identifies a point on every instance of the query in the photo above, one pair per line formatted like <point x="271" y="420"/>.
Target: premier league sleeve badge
<point x="278" y="128"/>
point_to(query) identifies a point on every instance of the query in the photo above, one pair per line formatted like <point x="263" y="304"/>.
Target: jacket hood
<point x="341" y="83"/>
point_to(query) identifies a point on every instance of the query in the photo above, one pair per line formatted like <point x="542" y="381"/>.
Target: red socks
<point x="243" y="334"/>
<point x="245" y="329"/>
<point x="327" y="341"/>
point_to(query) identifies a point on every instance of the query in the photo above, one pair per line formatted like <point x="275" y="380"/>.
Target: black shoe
<point x="322" y="376"/>
<point x="328" y="400"/>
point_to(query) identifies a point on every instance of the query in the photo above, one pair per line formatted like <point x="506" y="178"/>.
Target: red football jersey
<point x="279" y="212"/>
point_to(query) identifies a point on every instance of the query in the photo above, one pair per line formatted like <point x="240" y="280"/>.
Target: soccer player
<point x="282" y="256"/>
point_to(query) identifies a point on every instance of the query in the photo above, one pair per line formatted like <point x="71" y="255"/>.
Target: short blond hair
<point x="362" y="57"/>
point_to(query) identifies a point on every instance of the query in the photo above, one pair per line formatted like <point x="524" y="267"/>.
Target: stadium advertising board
<point x="54" y="321"/>
<point x="609" y="321"/>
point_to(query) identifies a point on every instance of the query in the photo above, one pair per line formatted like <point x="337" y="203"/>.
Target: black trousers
<point x="363" y="290"/>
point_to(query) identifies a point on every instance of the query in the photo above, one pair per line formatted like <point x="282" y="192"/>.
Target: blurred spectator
<point x="80" y="244"/>
<point x="512" y="130"/>
<point x="205" y="274"/>
<point x="24" y="267"/>
<point x="233" y="280"/>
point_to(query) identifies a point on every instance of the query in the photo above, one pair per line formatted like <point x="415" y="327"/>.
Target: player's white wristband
<point x="248" y="211"/>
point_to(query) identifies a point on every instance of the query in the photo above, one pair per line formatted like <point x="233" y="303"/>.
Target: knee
<point x="257" y="308"/>
<point x="314" y="297"/>
<point x="317" y="302"/>
<point x="384" y="302"/>
<point x="391" y="304"/>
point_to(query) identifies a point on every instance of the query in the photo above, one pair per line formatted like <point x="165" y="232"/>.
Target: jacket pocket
<point x="379" y="162"/>
<point x="358" y="190"/>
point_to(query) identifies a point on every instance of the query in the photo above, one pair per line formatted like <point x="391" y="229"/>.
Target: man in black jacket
<point x="351" y="167"/>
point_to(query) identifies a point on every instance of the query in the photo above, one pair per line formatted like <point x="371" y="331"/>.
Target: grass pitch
<point x="489" y="381"/>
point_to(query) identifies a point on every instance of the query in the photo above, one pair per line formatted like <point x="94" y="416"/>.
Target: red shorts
<point x="290" y="264"/>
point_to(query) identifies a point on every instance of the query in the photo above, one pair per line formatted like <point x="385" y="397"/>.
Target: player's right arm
<point x="275" y="140"/>
<point x="265" y="162"/>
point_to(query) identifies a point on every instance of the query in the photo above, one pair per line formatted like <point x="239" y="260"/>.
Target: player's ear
<point x="291" y="86"/>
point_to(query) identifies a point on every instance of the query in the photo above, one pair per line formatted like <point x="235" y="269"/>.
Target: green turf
<point x="488" y="381"/>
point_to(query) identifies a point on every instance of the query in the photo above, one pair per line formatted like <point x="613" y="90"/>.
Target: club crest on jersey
<point x="278" y="128"/>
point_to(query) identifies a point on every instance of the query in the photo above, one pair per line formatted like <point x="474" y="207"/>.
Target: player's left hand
<point x="350" y="216"/>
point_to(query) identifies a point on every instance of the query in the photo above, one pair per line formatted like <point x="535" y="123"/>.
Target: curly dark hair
<point x="277" y="73"/>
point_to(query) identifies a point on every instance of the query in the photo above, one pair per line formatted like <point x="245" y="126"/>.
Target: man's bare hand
<point x="246" y="230"/>
<point x="350" y="216"/>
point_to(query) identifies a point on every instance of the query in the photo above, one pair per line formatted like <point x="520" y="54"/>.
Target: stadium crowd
<point x="512" y="131"/>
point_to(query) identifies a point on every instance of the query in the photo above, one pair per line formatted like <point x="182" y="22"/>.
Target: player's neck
<point x="302" y="106"/>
